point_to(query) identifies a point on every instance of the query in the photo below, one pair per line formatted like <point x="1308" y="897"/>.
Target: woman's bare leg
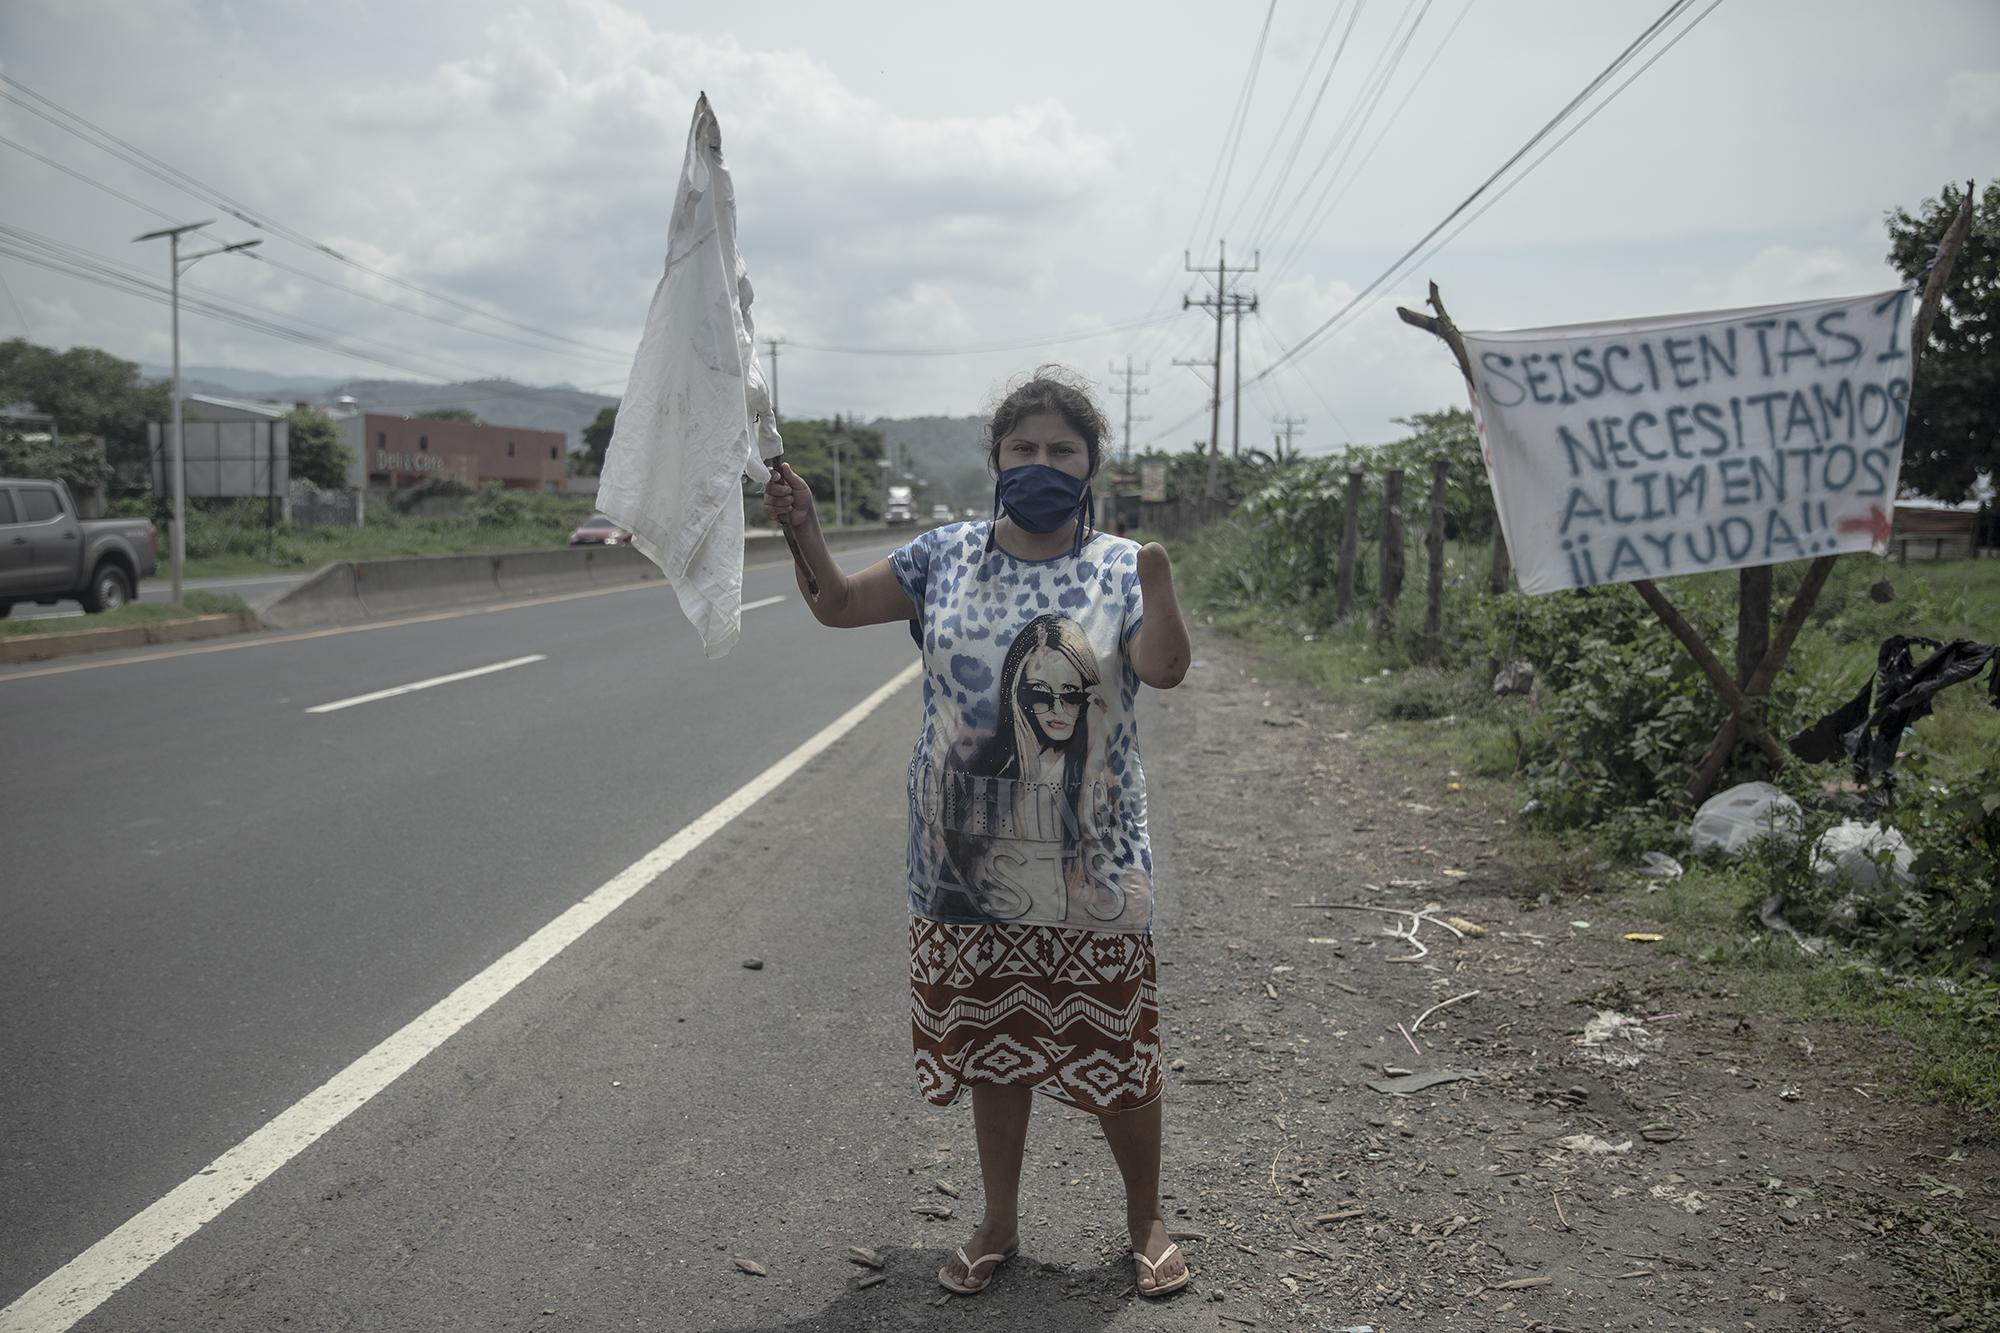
<point x="1000" y="1124"/>
<point x="1135" y="1145"/>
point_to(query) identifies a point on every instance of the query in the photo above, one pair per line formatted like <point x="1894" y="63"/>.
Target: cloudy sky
<point x="937" y="178"/>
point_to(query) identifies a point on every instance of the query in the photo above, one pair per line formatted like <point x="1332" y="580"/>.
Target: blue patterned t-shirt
<point x="1027" y="801"/>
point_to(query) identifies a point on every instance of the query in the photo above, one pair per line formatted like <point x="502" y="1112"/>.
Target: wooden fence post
<point x="1434" y="544"/>
<point x="1391" y="537"/>
<point x="1350" y="544"/>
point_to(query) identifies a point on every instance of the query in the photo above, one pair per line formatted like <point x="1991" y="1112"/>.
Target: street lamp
<point x="176" y="266"/>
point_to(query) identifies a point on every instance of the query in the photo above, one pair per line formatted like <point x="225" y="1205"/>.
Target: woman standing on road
<point x="1030" y="876"/>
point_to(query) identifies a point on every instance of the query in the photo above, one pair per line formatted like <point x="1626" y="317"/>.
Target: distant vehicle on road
<point x="941" y="514"/>
<point x="49" y="555"/>
<point x="599" y="531"/>
<point x="898" y="507"/>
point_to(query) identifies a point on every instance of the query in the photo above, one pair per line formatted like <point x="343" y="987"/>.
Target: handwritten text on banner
<point x="1648" y="448"/>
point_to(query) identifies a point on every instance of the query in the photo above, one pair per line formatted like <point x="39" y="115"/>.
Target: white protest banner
<point x="1639" y="449"/>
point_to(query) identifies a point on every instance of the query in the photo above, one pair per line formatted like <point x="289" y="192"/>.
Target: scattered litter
<point x="1579" y="925"/>
<point x="1519" y="1284"/>
<point x="867" y="1280"/>
<point x="1771" y="913"/>
<point x="1790" y="1094"/>
<point x="1866" y="858"/>
<point x="1689" y="1201"/>
<point x="754" y="964"/>
<point x="1344" y="1215"/>
<point x="1177" y="1064"/>
<point x="864" y="1256"/>
<point x="1414" y="1048"/>
<point x="1453" y="786"/>
<point x="1470" y="929"/>
<point x="751" y="1266"/>
<point x="1442" y="1004"/>
<point x="1594" y="1146"/>
<point x="1730" y="821"/>
<point x="1658" y="865"/>
<point x="1449" y="873"/>
<point x="1618" y="1039"/>
<point x="1642" y="937"/>
<point x="1409" y="1083"/>
<point x="945" y="1187"/>
<point x="1514" y="678"/>
<point x="939" y="1211"/>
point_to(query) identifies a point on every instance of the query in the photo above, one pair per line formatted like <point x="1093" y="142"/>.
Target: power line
<point x="1366" y="99"/>
<point x="106" y="142"/>
<point x="1321" y="215"/>
<point x="140" y="204"/>
<point x="1332" y="22"/>
<point x="48" y="255"/>
<point x="1025" y="345"/>
<point x="1624" y="57"/>
<point x="1673" y="11"/>
<point x="1232" y="135"/>
<point x="1305" y="126"/>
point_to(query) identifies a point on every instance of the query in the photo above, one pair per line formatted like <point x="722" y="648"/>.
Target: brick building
<point x="392" y="452"/>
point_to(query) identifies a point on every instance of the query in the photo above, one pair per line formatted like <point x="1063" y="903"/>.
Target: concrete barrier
<point x="325" y="598"/>
<point x="357" y="590"/>
<point x="426" y="583"/>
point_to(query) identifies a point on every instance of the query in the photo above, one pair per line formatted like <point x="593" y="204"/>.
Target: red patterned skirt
<point x="1071" y="1013"/>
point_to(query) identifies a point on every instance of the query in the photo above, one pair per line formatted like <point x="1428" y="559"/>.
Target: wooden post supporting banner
<point x="1391" y="536"/>
<point x="1434" y="589"/>
<point x="1350" y="544"/>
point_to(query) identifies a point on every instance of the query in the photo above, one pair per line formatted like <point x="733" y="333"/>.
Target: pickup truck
<point x="48" y="554"/>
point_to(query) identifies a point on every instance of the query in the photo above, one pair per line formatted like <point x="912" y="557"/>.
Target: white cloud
<point x="1974" y="96"/>
<point x="1788" y="273"/>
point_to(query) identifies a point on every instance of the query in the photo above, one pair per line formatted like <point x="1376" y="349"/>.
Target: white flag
<point x="696" y="416"/>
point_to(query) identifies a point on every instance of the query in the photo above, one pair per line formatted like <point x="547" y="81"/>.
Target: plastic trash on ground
<point x="1730" y="821"/>
<point x="1865" y="858"/>
<point x="1659" y="865"/>
<point x="1618" y="1039"/>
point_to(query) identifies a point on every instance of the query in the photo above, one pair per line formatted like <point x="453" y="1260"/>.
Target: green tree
<point x="75" y="460"/>
<point x="809" y="449"/>
<point x="597" y="438"/>
<point x="88" y="392"/>
<point x="1954" y="428"/>
<point x="319" y="455"/>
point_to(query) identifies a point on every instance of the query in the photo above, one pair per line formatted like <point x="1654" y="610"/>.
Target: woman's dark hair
<point x="1053" y="389"/>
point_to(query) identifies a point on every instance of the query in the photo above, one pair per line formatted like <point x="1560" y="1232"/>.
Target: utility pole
<point x="1217" y="304"/>
<point x="175" y="266"/>
<point x="1290" y="425"/>
<point x="1239" y="303"/>
<point x="772" y="343"/>
<point x="1125" y="458"/>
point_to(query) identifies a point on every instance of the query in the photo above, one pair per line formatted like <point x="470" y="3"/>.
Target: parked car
<point x="49" y="555"/>
<point x="599" y="531"/>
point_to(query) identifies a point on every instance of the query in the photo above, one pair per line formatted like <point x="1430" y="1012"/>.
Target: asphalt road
<point x="215" y="900"/>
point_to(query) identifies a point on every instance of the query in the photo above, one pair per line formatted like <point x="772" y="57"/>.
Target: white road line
<point x="65" y="1296"/>
<point x="267" y="640"/>
<point x="763" y="601"/>
<point x="432" y="683"/>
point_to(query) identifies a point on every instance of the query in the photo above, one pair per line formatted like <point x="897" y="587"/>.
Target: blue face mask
<point x="1041" y="498"/>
